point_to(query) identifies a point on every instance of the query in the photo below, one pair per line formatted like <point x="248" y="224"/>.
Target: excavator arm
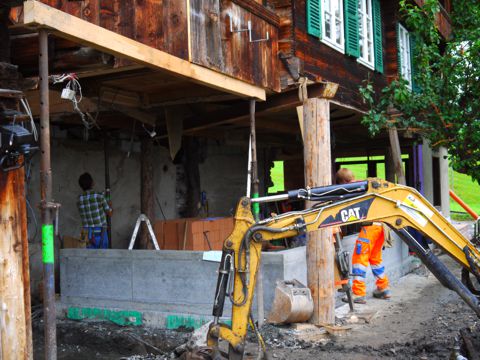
<point x="400" y="207"/>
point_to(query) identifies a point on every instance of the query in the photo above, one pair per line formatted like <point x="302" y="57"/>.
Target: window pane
<point x="338" y="32"/>
<point x="328" y="32"/>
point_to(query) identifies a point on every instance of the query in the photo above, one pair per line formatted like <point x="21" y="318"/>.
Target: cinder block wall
<point x="179" y="282"/>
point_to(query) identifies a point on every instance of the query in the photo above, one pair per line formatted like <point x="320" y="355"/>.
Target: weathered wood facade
<point x="194" y="30"/>
<point x="307" y="55"/>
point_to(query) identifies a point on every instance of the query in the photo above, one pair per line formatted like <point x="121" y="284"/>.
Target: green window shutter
<point x="414" y="64"/>
<point x="352" y="45"/>
<point x="399" y="55"/>
<point x="377" y="35"/>
<point x="314" y="18"/>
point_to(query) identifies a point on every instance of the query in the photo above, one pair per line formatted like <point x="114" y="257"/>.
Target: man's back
<point x="93" y="208"/>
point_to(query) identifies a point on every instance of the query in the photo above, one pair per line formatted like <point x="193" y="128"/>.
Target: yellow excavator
<point x="400" y="207"/>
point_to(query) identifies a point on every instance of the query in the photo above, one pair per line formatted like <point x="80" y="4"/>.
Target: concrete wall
<point x="178" y="282"/>
<point x="223" y="177"/>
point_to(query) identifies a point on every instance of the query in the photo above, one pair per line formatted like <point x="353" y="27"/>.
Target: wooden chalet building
<point x="166" y="93"/>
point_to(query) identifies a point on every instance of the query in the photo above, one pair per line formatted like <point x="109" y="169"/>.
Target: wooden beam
<point x="85" y="33"/>
<point x="397" y="155"/>
<point x="320" y="248"/>
<point x="142" y="116"/>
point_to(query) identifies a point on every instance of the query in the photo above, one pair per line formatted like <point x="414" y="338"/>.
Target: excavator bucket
<point x="293" y="303"/>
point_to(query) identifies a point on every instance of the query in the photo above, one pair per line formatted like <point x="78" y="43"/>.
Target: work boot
<point x="356" y="299"/>
<point x="382" y="294"/>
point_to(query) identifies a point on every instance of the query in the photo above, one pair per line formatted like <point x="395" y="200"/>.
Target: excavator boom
<point x="400" y="207"/>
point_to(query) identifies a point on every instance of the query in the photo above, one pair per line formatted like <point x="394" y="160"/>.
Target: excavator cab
<point x="400" y="207"/>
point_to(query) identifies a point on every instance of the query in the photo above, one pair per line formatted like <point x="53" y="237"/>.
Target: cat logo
<point x="350" y="214"/>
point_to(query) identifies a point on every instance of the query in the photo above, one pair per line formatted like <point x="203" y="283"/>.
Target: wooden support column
<point x="147" y="191"/>
<point x="320" y="248"/>
<point x="15" y="322"/>
<point x="397" y="155"/>
<point x="191" y="148"/>
<point x="389" y="165"/>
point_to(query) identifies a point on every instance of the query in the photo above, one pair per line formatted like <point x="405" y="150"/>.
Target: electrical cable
<point x="74" y="89"/>
<point x="160" y="206"/>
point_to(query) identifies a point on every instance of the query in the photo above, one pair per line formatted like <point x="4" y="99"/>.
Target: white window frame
<point x="404" y="54"/>
<point x="326" y="12"/>
<point x="366" y="43"/>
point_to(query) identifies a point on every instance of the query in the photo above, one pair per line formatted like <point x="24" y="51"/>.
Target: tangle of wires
<point x="73" y="92"/>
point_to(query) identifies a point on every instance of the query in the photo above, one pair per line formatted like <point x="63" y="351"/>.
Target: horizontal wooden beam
<point x="85" y="33"/>
<point x="142" y="116"/>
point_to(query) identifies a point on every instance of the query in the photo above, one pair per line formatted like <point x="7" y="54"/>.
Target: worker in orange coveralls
<point x="368" y="250"/>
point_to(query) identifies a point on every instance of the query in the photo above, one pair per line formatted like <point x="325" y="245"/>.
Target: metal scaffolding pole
<point x="48" y="257"/>
<point x="256" y="208"/>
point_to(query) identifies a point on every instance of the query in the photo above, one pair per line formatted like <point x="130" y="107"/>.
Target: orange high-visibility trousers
<point x="368" y="250"/>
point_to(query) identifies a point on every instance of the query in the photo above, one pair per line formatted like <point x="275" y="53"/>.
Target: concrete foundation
<point x="174" y="288"/>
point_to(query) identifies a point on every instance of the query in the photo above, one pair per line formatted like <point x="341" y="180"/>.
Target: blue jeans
<point x="97" y="237"/>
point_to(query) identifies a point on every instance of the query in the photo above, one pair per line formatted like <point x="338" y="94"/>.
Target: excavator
<point x="401" y="208"/>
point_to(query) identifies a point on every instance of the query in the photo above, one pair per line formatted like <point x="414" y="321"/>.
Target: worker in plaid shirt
<point x="93" y="209"/>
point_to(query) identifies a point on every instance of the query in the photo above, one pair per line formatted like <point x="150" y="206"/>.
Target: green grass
<point x="466" y="189"/>
<point x="277" y="176"/>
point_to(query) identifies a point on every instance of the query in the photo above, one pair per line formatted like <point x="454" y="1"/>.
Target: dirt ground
<point x="421" y="321"/>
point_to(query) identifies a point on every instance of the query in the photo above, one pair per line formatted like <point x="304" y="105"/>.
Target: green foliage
<point x="446" y="109"/>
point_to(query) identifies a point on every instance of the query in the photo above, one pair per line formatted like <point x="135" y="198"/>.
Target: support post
<point x="397" y="155"/>
<point x="320" y="247"/>
<point x="48" y="256"/>
<point x="389" y="165"/>
<point x="444" y="182"/>
<point x="147" y="205"/>
<point x="427" y="168"/>
<point x="108" y="194"/>
<point x="256" y="209"/>
<point x="15" y="334"/>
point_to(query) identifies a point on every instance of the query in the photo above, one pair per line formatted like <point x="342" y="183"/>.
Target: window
<point x="332" y="24"/>
<point x="404" y="55"/>
<point x="353" y="27"/>
<point x="365" y="22"/>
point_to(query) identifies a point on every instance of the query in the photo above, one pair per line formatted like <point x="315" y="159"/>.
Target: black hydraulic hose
<point x="328" y="192"/>
<point x="222" y="282"/>
<point x="441" y="272"/>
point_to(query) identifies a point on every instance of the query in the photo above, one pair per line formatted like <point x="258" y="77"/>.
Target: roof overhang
<point x="61" y="24"/>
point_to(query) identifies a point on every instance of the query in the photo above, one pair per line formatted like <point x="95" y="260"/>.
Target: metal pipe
<point x="256" y="209"/>
<point x="273" y="198"/>
<point x="48" y="257"/>
<point x="467" y="208"/>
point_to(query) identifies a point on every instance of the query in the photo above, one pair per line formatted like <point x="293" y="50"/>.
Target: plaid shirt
<point x="93" y="207"/>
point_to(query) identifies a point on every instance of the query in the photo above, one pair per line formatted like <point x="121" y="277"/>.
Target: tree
<point x="445" y="104"/>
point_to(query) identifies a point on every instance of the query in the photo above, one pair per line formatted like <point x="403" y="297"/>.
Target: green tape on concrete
<point x="255" y="206"/>
<point x="120" y="317"/>
<point x="48" y="256"/>
<point x="174" y="322"/>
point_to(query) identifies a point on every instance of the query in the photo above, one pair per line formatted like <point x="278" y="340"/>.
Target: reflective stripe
<point x="359" y="272"/>
<point x="378" y="271"/>
<point x="359" y="266"/>
<point x="366" y="241"/>
<point x="359" y="278"/>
